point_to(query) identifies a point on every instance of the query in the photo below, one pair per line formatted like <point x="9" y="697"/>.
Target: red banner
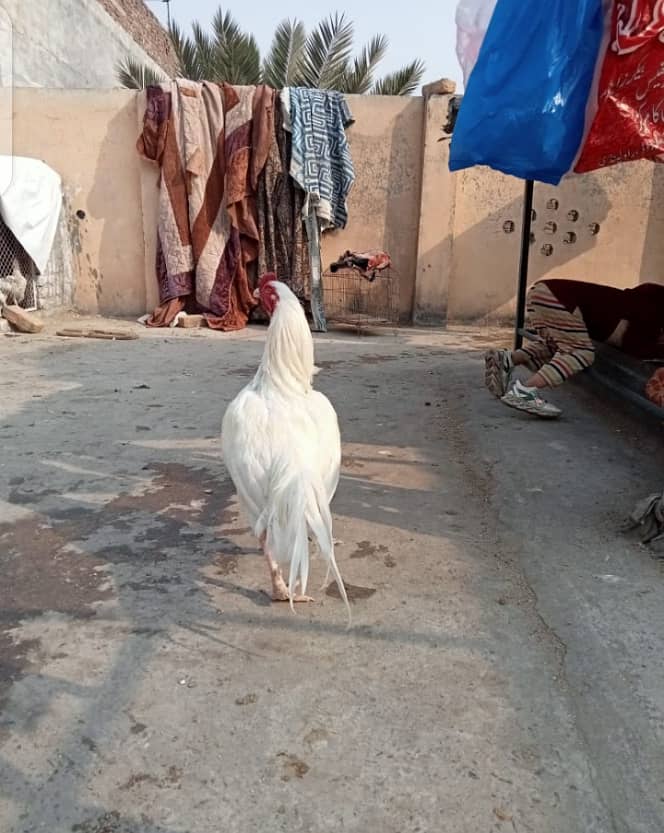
<point x="629" y="123"/>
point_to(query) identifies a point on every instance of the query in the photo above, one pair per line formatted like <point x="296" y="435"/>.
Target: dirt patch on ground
<point x="365" y="549"/>
<point x="355" y="592"/>
<point x="292" y="767"/>
<point x="54" y="570"/>
<point x="48" y="574"/>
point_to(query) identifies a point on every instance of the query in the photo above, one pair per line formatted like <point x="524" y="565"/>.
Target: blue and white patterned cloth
<point x="321" y="163"/>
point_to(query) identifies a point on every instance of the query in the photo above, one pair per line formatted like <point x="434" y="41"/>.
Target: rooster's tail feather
<point x="297" y="504"/>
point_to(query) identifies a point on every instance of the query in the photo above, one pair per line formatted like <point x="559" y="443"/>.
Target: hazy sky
<point x="415" y="28"/>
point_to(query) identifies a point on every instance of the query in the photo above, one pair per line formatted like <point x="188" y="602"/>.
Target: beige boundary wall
<point x="454" y="239"/>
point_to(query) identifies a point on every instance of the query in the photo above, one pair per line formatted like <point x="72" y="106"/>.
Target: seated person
<point x="567" y="316"/>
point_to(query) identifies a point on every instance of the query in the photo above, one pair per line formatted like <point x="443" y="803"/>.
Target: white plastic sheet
<point x="472" y="20"/>
<point x="30" y="205"/>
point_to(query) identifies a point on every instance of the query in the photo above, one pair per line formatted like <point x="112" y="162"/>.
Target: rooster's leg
<point x="279" y="586"/>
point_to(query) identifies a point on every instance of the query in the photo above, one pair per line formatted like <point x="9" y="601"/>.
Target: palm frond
<point x="136" y="76"/>
<point x="186" y="53"/>
<point x="241" y="60"/>
<point x="402" y="82"/>
<point x="327" y="53"/>
<point x="359" y="78"/>
<point x="282" y="65"/>
<point x="235" y="56"/>
<point x="204" y="49"/>
<point x="225" y="27"/>
<point x="202" y="41"/>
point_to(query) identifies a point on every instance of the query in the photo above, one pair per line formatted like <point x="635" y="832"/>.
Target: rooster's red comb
<point x="267" y="277"/>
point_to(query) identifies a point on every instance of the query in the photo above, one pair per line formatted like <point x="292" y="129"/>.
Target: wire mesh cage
<point x="14" y="257"/>
<point x="350" y="298"/>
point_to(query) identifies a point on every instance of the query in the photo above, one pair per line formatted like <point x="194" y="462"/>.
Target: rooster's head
<point x="267" y="294"/>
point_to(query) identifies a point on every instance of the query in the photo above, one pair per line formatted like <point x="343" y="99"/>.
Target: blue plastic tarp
<point x="525" y="107"/>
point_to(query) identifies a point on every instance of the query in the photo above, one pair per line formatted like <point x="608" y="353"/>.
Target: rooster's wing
<point x="246" y="446"/>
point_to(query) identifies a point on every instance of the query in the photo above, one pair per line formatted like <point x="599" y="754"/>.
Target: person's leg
<point x="539" y="360"/>
<point x="535" y="354"/>
<point x="566" y="350"/>
<point x="569" y="360"/>
<point x="500" y="364"/>
<point x="522" y="357"/>
<point x="567" y="338"/>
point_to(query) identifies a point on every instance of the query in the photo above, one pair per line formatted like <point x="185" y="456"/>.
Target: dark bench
<point x="626" y="375"/>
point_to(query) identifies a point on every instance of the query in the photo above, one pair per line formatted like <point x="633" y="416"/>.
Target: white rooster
<point x="282" y="448"/>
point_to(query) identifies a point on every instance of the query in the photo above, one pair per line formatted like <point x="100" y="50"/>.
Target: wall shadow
<point x="115" y="279"/>
<point x="402" y="229"/>
<point x="566" y="225"/>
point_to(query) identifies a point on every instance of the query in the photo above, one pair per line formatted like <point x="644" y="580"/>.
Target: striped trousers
<point x="565" y="348"/>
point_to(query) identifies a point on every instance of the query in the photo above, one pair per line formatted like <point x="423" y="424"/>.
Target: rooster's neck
<point x="288" y="357"/>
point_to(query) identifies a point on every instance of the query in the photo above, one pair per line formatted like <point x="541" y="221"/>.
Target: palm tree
<point x="322" y="58"/>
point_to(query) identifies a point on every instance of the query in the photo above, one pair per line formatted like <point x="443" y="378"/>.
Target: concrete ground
<point x="506" y="668"/>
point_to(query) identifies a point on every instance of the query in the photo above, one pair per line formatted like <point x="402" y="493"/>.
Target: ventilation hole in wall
<point x="532" y="237"/>
<point x="550" y="228"/>
<point x="569" y="237"/>
<point x="508" y="226"/>
<point x="553" y="205"/>
<point x="80" y="214"/>
<point x="533" y="215"/>
<point x="573" y="215"/>
<point x="547" y="250"/>
<point x="594" y="228"/>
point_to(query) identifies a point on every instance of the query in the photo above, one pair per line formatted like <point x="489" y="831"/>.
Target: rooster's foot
<point x="280" y="592"/>
<point x="279" y="586"/>
<point x="296" y="599"/>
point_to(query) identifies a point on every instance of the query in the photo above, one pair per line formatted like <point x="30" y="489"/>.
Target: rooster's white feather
<point x="282" y="447"/>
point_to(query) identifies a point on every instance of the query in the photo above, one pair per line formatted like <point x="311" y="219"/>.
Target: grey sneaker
<point x="529" y="400"/>
<point x="498" y="369"/>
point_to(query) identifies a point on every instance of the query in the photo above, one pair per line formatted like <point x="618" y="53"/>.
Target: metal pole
<point x="523" y="263"/>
